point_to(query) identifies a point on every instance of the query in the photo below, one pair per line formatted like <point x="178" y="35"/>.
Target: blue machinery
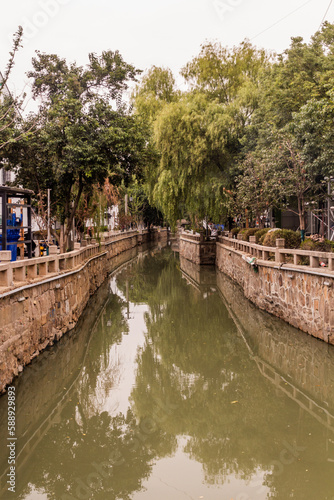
<point x="11" y="224"/>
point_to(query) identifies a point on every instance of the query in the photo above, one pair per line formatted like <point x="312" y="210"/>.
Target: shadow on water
<point x="173" y="385"/>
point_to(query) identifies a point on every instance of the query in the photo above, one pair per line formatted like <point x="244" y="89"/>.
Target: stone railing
<point x="17" y="273"/>
<point x="279" y="254"/>
<point x="197" y="237"/>
<point x="189" y="235"/>
<point x="117" y="236"/>
<point x="14" y="273"/>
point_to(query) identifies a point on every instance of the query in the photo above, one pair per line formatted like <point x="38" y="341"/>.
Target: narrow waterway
<point x="174" y="387"/>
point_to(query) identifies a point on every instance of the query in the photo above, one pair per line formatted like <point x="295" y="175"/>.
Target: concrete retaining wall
<point x="38" y="312"/>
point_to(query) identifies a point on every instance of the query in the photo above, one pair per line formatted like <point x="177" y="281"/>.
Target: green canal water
<point x="174" y="387"/>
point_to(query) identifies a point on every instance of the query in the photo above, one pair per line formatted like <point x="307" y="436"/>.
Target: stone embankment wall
<point x="279" y="349"/>
<point x="38" y="310"/>
<point x="194" y="248"/>
<point x="300" y="295"/>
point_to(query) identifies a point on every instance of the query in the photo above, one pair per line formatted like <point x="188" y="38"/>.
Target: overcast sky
<point x="146" y="32"/>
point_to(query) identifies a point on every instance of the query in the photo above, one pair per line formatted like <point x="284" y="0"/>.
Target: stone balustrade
<point x="281" y="255"/>
<point x="16" y="273"/>
<point x="13" y="274"/>
<point x="190" y="235"/>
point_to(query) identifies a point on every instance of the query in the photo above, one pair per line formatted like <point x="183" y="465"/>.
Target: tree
<point x="312" y="129"/>
<point x="194" y="138"/>
<point x="82" y="139"/>
<point x="198" y="134"/>
<point x="156" y="89"/>
<point x="290" y="177"/>
<point x="254" y="191"/>
<point x="221" y="72"/>
<point x="8" y="105"/>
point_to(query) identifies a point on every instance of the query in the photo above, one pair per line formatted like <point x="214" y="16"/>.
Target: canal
<point x="173" y="386"/>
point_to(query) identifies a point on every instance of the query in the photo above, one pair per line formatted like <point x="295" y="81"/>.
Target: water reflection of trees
<point x="235" y="420"/>
<point x="101" y="370"/>
<point x="101" y="459"/>
<point x="89" y="453"/>
<point x="195" y="378"/>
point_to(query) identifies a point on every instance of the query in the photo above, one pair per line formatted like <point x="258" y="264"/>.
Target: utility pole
<point x="49" y="216"/>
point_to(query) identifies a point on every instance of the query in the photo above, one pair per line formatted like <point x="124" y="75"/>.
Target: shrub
<point x="246" y="233"/>
<point x="318" y="246"/>
<point x="292" y="238"/>
<point x="235" y="230"/>
<point x="260" y="233"/>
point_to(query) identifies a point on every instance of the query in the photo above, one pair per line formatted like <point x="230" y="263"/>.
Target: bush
<point x="235" y="230"/>
<point x="292" y="238"/>
<point x="260" y="234"/>
<point x="318" y="246"/>
<point x="246" y="233"/>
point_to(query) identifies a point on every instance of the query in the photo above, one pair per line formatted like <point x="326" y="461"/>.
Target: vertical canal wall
<point x="195" y="248"/>
<point x="288" y="359"/>
<point x="42" y="299"/>
<point x="301" y="295"/>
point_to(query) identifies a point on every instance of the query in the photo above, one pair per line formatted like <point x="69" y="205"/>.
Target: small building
<point x="15" y="221"/>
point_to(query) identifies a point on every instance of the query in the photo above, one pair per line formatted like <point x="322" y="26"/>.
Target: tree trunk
<point x="61" y="241"/>
<point x="301" y="213"/>
<point x="73" y="210"/>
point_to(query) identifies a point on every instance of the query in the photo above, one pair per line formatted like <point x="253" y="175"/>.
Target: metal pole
<point x="328" y="210"/>
<point x="49" y="216"/>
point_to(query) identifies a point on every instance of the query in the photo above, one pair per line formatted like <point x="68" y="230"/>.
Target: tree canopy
<point x="251" y="130"/>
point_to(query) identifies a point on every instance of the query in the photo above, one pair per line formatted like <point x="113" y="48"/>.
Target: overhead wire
<point x="282" y="18"/>
<point x="329" y="6"/>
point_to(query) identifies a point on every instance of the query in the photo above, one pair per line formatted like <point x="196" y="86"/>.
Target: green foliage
<point x="81" y="139"/>
<point x="292" y="238"/>
<point x="221" y="72"/>
<point x="197" y="134"/>
<point x="235" y="230"/>
<point x="157" y="88"/>
<point x="251" y="132"/>
<point x="9" y="106"/>
<point x="318" y="246"/>
<point x="260" y="234"/>
<point x="248" y="232"/>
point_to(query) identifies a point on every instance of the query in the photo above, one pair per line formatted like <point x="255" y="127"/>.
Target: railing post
<point x="42" y="269"/>
<point x="314" y="261"/>
<point x="6" y="276"/>
<point x="5" y="256"/>
<point x="279" y="256"/>
<point x="53" y="249"/>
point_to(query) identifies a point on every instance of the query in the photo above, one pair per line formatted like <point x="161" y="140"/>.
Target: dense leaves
<point x="252" y="130"/>
<point x="81" y="139"/>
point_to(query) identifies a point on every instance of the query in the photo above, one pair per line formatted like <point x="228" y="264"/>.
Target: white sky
<point x="146" y="32"/>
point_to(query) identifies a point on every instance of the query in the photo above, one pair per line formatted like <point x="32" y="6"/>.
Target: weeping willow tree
<point x="191" y="137"/>
<point x="198" y="134"/>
